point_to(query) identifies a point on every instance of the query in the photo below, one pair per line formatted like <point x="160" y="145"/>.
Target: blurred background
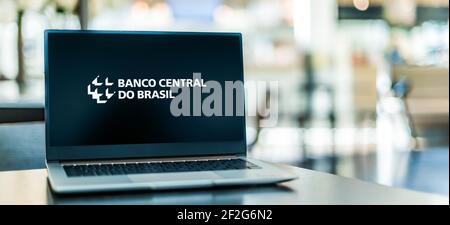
<point x="363" y="84"/>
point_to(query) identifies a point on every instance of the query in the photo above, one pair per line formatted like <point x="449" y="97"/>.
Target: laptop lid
<point x="116" y="94"/>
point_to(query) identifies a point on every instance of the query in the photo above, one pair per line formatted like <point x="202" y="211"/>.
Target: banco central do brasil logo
<point x="93" y="90"/>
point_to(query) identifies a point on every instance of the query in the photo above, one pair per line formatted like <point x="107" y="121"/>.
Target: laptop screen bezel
<point x="150" y="150"/>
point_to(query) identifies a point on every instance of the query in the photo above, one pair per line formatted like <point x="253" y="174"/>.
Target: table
<point x="23" y="181"/>
<point x="312" y="187"/>
<point x="22" y="146"/>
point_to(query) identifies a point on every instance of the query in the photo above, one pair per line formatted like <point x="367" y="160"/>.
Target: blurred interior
<point x="363" y="84"/>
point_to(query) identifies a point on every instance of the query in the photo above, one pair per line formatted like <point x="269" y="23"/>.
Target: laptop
<point x="131" y="110"/>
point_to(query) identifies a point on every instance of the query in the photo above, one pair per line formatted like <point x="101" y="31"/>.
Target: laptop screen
<point x="131" y="88"/>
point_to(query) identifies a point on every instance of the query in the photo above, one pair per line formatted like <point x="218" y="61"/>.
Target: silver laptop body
<point x="99" y="141"/>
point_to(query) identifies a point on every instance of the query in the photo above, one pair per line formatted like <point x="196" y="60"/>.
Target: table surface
<point x="22" y="147"/>
<point x="312" y="187"/>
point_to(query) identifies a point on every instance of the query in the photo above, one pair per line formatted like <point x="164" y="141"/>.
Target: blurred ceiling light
<point x="140" y="6"/>
<point x="361" y="5"/>
<point x="226" y="16"/>
<point x="161" y="6"/>
<point x="222" y="12"/>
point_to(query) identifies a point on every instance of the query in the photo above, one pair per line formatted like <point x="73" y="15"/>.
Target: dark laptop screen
<point x="116" y="88"/>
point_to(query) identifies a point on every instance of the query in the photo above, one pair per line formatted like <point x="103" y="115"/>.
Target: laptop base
<point x="265" y="174"/>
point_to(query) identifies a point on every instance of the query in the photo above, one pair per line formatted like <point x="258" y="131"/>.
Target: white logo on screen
<point x="92" y="90"/>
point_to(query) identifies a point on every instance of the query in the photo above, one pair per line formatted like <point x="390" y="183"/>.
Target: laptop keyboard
<point x="156" y="167"/>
